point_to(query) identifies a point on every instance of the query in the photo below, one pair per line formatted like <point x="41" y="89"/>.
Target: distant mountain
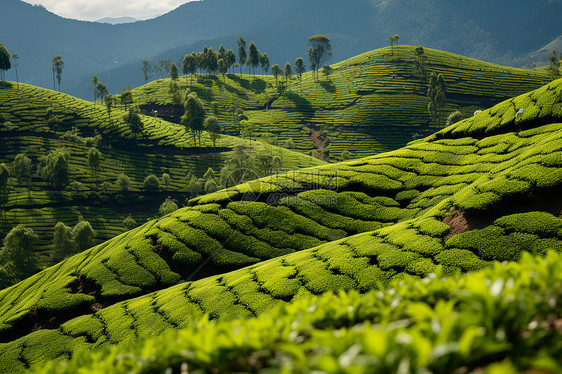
<point x="117" y="20"/>
<point x="506" y="33"/>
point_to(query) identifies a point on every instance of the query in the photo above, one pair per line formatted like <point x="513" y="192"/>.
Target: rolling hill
<point x="485" y="189"/>
<point x="374" y="97"/>
<point x="505" y="33"/>
<point x="164" y="148"/>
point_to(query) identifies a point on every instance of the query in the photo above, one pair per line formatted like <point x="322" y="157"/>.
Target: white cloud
<point x="92" y="10"/>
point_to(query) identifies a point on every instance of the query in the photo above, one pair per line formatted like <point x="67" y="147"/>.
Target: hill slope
<point x="374" y="97"/>
<point x="506" y="30"/>
<point x="164" y="148"/>
<point x="485" y="189"/>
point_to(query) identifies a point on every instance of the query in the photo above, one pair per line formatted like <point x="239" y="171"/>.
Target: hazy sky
<point x="92" y="10"/>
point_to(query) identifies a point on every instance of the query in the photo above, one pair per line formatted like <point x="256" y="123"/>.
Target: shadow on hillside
<point x="5" y="85"/>
<point x="258" y="85"/>
<point x="300" y="102"/>
<point x="241" y="81"/>
<point x="328" y="86"/>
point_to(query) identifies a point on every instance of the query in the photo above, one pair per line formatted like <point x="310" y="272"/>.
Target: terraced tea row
<point x="164" y="148"/>
<point x="375" y="97"/>
<point x="494" y="319"/>
<point x="444" y="202"/>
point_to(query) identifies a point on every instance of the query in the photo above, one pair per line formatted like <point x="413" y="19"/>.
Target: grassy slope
<point x="365" y="98"/>
<point x="485" y="175"/>
<point x="436" y="325"/>
<point x="167" y="148"/>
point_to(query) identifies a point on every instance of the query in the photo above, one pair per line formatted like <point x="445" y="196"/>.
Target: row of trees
<point x="6" y="63"/>
<point x="18" y="256"/>
<point x="319" y="51"/>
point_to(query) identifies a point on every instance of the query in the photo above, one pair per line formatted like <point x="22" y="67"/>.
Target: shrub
<point x="151" y="183"/>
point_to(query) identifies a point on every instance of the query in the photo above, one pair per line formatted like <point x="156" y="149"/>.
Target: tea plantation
<point x="27" y="126"/>
<point x="485" y="189"/>
<point x="494" y="319"/>
<point x="371" y="103"/>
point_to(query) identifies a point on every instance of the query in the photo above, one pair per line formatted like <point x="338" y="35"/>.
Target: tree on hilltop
<point x="276" y="71"/>
<point x="5" y="63"/>
<point x="288" y="72"/>
<point x="242" y="56"/>
<point x="264" y="62"/>
<point x="109" y="100"/>
<point x="554" y="65"/>
<point x="146" y="70"/>
<point x="189" y="65"/>
<point x="319" y="51"/>
<point x="57" y="67"/>
<point x="253" y="57"/>
<point x="174" y="73"/>
<point x="16" y="62"/>
<point x="420" y="64"/>
<point x="94" y="85"/>
<point x="393" y="39"/>
<point x="299" y="67"/>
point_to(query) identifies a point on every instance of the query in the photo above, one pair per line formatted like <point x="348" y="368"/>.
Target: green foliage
<point x="18" y="251"/>
<point x="129" y="222"/>
<point x="94" y="160"/>
<point x="167" y="207"/>
<point x="57" y="66"/>
<point x="63" y="242"/>
<point x="151" y="183"/>
<point x="437" y="95"/>
<point x="83" y="235"/>
<point x="319" y="50"/>
<point x="53" y="168"/>
<point x="5" y="63"/>
<point x="453" y="118"/>
<point x="496" y="316"/>
<point x="122" y="183"/>
<point x="194" y="117"/>
<point x="213" y="128"/>
<point x="134" y="121"/>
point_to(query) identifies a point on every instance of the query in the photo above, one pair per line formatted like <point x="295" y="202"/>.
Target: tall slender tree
<point x="230" y="58"/>
<point x="319" y="51"/>
<point x="94" y="85"/>
<point x="222" y="68"/>
<point x="146" y="70"/>
<point x="299" y="67"/>
<point x="436" y="93"/>
<point x="242" y="56"/>
<point x="5" y="63"/>
<point x="393" y="39"/>
<point x="420" y="64"/>
<point x="554" y="65"/>
<point x="174" y="73"/>
<point x="194" y="117"/>
<point x="264" y="61"/>
<point x="22" y="168"/>
<point x="288" y="72"/>
<point x="253" y="57"/>
<point x="213" y="128"/>
<point x="276" y="71"/>
<point x="16" y="63"/>
<point x="189" y="65"/>
<point x="57" y="66"/>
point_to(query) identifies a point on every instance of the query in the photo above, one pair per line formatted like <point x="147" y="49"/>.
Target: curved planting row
<point x="453" y="202"/>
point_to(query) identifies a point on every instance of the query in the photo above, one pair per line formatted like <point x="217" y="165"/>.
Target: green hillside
<point x="440" y="326"/>
<point x="163" y="148"/>
<point x="371" y="103"/>
<point x="485" y="189"/>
